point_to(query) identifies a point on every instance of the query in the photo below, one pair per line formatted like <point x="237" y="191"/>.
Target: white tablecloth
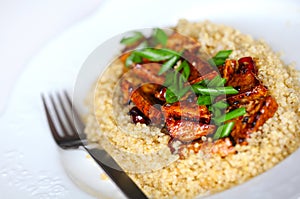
<point x="28" y="25"/>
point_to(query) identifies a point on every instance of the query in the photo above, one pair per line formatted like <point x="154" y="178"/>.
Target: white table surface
<point x="28" y="25"/>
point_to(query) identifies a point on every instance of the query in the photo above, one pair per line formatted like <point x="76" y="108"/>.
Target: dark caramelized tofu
<point x="190" y="48"/>
<point x="228" y="69"/>
<point x="243" y="81"/>
<point x="268" y="109"/>
<point x="223" y="147"/>
<point x="178" y="42"/>
<point x="126" y="88"/>
<point x="187" y="131"/>
<point x="148" y="73"/>
<point x="148" y="105"/>
<point x="198" y="66"/>
<point x="258" y="112"/>
<point x="208" y="76"/>
<point x="187" y="110"/>
<point x="244" y="76"/>
<point x="258" y="92"/>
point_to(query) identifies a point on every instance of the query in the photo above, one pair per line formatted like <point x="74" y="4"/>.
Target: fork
<point x="67" y="137"/>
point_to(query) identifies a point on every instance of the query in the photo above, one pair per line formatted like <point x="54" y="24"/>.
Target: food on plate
<point x="223" y="103"/>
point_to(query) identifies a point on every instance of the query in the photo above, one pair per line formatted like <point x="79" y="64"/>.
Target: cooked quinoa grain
<point x="140" y="148"/>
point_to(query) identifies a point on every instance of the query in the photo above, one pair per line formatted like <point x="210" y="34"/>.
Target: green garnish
<point x="208" y="91"/>
<point x="132" y="58"/>
<point x="142" y="45"/>
<point x="204" y="100"/>
<point x="232" y="114"/>
<point x="160" y="36"/>
<point x="174" y="94"/>
<point x="217" y="112"/>
<point x="176" y="79"/>
<point x="175" y="86"/>
<point x="186" y="70"/>
<point x="168" y="64"/>
<point x="220" y="57"/>
<point x="171" y="96"/>
<point x="223" y="130"/>
<point x="220" y="105"/>
<point x="199" y="89"/>
<point x="169" y="79"/>
<point x="153" y="54"/>
<point x="217" y="81"/>
<point x="133" y="39"/>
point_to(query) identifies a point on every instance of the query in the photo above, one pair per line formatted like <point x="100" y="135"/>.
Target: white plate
<point x="31" y="166"/>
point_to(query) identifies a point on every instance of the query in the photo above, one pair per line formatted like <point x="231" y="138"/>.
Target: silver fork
<point x="65" y="135"/>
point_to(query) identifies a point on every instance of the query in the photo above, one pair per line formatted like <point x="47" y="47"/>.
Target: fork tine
<point x="50" y="121"/>
<point x="76" y="116"/>
<point x="71" y="124"/>
<point x="59" y="118"/>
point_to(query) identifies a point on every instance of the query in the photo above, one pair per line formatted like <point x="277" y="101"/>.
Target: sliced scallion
<point x="199" y="89"/>
<point x="215" y="82"/>
<point x="133" y="39"/>
<point x="220" y="105"/>
<point x="160" y="36"/>
<point x="232" y="114"/>
<point x="204" y="100"/>
<point x="155" y="54"/>
<point x="224" y="130"/>
<point x="132" y="58"/>
<point x="220" y="57"/>
<point x="170" y="96"/>
<point x="168" y="64"/>
<point x="186" y="70"/>
<point x="223" y="54"/>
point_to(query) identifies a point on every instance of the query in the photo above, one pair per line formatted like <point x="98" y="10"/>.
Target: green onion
<point x="217" y="112"/>
<point x="215" y="81"/>
<point x="218" y="133"/>
<point x="201" y="83"/>
<point x="223" y="54"/>
<point x="168" y="64"/>
<point x="186" y="70"/>
<point x="181" y="81"/>
<point x="174" y="94"/>
<point x="223" y="82"/>
<point x="180" y="67"/>
<point x="132" y="58"/>
<point x="160" y="36"/>
<point x="199" y="89"/>
<point x="224" y="130"/>
<point x="133" y="39"/>
<point x="220" y="105"/>
<point x="175" y="80"/>
<point x="170" y="96"/>
<point x="183" y="91"/>
<point x="204" y="100"/>
<point x="232" y="114"/>
<point x="229" y="90"/>
<point x="142" y="45"/>
<point x="169" y="79"/>
<point x="155" y="54"/>
<point x="220" y="57"/>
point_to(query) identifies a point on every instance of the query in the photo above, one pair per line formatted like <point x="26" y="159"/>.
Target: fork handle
<point x="116" y="173"/>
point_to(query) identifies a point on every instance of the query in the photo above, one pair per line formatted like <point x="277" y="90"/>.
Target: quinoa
<point x="166" y="176"/>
